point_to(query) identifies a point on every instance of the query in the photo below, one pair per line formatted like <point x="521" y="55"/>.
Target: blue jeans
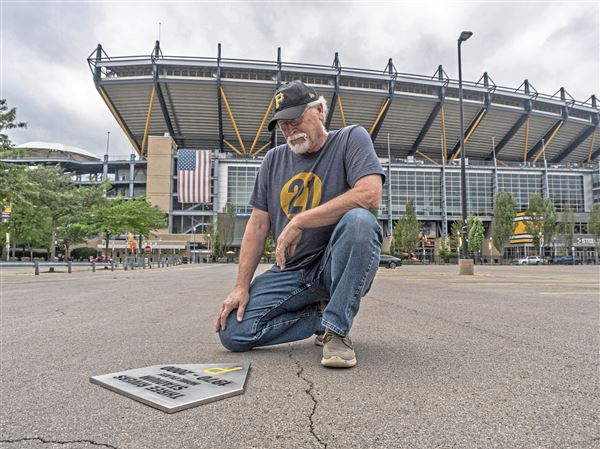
<point x="286" y="306"/>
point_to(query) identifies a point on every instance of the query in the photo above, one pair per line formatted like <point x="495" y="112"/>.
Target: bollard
<point x="125" y="265"/>
<point x="93" y="267"/>
<point x="37" y="268"/>
<point x="112" y="266"/>
<point x="69" y="267"/>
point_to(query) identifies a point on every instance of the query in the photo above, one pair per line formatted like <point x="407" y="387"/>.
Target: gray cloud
<point x="44" y="47"/>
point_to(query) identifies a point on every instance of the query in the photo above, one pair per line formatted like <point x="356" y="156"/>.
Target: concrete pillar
<point x="466" y="267"/>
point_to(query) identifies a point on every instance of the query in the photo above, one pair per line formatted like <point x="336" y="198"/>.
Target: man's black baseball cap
<point x="291" y="100"/>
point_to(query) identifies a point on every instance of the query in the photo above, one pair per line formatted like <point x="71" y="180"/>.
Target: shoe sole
<point x="338" y="362"/>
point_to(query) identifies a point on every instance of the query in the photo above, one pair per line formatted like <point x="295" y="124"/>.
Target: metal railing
<point x="131" y="262"/>
<point x="69" y="265"/>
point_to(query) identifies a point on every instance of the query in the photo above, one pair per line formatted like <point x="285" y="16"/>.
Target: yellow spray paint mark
<point x="217" y="370"/>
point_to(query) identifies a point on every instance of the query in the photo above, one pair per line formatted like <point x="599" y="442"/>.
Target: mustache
<point x="297" y="136"/>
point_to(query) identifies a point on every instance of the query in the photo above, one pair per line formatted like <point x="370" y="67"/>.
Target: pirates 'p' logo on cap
<point x="278" y="100"/>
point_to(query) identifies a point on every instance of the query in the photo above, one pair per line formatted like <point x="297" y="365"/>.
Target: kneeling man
<point x="318" y="194"/>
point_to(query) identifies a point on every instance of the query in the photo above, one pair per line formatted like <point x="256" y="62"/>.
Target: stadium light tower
<point x="465" y="266"/>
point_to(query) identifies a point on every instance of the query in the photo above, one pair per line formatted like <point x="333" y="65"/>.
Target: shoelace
<point x="329" y="335"/>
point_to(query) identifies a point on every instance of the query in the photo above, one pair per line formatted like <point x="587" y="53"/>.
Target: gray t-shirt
<point x="289" y="183"/>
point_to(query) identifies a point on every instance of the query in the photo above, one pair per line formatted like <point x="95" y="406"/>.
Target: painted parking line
<point x="570" y="293"/>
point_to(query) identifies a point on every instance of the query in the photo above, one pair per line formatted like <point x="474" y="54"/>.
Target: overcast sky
<point x="44" y="46"/>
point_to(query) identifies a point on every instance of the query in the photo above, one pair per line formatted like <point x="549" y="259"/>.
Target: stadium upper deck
<point x="224" y="103"/>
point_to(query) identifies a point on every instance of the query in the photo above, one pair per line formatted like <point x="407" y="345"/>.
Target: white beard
<point x="302" y="147"/>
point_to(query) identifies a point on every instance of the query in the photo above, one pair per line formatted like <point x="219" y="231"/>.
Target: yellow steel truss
<point x="261" y="127"/>
<point x="339" y="99"/>
<point x="148" y="117"/>
<point x="116" y="116"/>
<point x="545" y="145"/>
<point x="235" y="128"/>
<point x="426" y="157"/>
<point x="591" y="146"/>
<point x="470" y="133"/>
<point x="383" y="108"/>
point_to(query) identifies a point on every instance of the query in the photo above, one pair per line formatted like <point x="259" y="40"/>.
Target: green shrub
<point x="84" y="253"/>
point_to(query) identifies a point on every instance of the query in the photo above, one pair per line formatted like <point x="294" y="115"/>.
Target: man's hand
<point x="288" y="239"/>
<point x="237" y="299"/>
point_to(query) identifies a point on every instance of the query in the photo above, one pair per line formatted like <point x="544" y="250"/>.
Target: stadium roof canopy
<point x="53" y="150"/>
<point x="225" y="103"/>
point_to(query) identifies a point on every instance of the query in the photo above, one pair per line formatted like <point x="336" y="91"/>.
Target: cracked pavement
<point x="507" y="358"/>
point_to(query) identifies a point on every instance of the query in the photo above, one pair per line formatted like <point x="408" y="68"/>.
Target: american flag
<point x="193" y="176"/>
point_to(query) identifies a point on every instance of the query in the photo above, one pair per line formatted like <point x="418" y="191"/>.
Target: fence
<point x="128" y="263"/>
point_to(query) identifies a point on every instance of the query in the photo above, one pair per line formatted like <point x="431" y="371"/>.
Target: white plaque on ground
<point x="172" y="388"/>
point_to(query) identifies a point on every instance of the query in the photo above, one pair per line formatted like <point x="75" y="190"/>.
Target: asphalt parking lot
<point x="508" y="358"/>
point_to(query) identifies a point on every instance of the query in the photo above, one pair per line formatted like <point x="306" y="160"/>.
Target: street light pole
<point x="463" y="173"/>
<point x="105" y="164"/>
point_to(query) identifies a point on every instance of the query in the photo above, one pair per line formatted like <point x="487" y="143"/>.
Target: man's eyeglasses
<point x="291" y="123"/>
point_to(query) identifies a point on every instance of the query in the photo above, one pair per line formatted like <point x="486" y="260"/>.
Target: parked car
<point x="529" y="260"/>
<point x="102" y="259"/>
<point x="568" y="260"/>
<point x="389" y="261"/>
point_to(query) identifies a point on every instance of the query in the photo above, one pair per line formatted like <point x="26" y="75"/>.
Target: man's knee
<point x="360" y="224"/>
<point x="233" y="337"/>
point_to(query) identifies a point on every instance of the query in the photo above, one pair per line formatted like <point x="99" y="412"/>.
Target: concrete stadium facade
<point x="516" y="139"/>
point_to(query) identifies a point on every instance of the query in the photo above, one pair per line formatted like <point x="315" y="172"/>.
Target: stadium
<point x="516" y="139"/>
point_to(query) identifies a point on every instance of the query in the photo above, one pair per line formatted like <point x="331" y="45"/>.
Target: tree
<point x="141" y="217"/>
<point x="212" y="235"/>
<point x="594" y="226"/>
<point x="59" y="198"/>
<point x="121" y="215"/>
<point x="406" y="231"/>
<point x="217" y="250"/>
<point x="72" y="230"/>
<point x="503" y="222"/>
<point x="7" y="121"/>
<point x="269" y="247"/>
<point x="475" y="234"/>
<point x="29" y="226"/>
<point x="540" y="221"/>
<point x="534" y="219"/>
<point x="456" y="236"/>
<point x="226" y="226"/>
<point x="444" y="252"/>
<point x="568" y="227"/>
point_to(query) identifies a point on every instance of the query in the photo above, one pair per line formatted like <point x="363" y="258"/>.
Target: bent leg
<point x="349" y="267"/>
<point x="283" y="307"/>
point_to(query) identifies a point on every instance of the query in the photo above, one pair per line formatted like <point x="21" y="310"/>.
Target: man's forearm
<point x="332" y="211"/>
<point x="253" y="245"/>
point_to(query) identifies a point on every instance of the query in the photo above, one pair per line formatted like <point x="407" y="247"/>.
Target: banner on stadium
<point x="193" y="176"/>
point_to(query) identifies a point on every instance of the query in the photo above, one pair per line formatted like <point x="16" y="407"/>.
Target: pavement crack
<point x="309" y="390"/>
<point x="45" y="441"/>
